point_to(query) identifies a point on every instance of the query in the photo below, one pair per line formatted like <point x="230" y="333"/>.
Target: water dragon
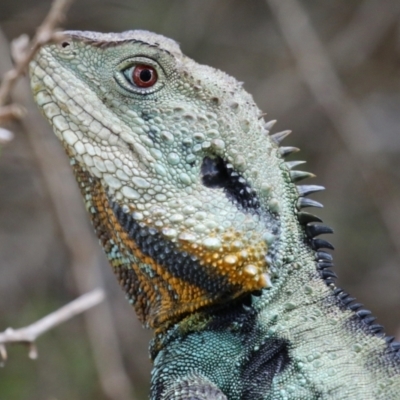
<point x="204" y="225"/>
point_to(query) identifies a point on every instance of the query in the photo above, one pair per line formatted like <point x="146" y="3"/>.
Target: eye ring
<point x="144" y="76"/>
<point x="139" y="76"/>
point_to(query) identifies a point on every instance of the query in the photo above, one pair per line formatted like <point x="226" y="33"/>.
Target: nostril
<point x="65" y="44"/>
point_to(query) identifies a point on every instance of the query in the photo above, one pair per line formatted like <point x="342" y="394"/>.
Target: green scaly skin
<point x="203" y="225"/>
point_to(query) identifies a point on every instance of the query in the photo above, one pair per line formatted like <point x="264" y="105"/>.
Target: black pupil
<point x="145" y="75"/>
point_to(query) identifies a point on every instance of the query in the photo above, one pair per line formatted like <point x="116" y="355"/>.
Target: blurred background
<point x="328" y="70"/>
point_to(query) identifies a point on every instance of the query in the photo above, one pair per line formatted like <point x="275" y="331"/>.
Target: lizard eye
<point x="139" y="76"/>
<point x="142" y="75"/>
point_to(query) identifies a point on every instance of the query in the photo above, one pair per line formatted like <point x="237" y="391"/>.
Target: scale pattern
<point x="204" y="226"/>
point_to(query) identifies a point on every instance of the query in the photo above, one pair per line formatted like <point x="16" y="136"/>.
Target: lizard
<point x="202" y="219"/>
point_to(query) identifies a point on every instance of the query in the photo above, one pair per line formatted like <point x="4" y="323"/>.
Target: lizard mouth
<point x="217" y="173"/>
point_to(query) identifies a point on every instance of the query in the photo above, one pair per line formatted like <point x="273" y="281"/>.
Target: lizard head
<point x="187" y="190"/>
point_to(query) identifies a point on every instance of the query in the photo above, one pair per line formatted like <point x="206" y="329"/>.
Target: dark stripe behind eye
<point x="216" y="173"/>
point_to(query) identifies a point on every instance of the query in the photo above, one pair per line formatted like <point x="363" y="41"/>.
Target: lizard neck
<point x="298" y="331"/>
<point x="325" y="332"/>
<point x="291" y="282"/>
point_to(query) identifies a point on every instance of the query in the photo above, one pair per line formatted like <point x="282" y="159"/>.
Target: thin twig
<point x="45" y="33"/>
<point x="66" y="205"/>
<point x="29" y="334"/>
<point x="113" y="378"/>
<point x="11" y="111"/>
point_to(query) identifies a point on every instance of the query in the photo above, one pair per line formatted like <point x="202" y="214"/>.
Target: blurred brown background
<point x="335" y="81"/>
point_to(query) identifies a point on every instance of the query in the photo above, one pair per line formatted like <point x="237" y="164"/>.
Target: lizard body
<point x="202" y="222"/>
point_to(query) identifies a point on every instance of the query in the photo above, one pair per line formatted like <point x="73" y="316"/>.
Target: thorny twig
<point x="29" y="334"/>
<point x="24" y="54"/>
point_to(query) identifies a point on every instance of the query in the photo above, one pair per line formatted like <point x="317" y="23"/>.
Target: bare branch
<point x="12" y="111"/>
<point x="78" y="237"/>
<point x="79" y="240"/>
<point x="24" y="54"/>
<point x="30" y="333"/>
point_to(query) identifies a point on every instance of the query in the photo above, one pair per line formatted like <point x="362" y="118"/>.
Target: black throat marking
<point x="178" y="263"/>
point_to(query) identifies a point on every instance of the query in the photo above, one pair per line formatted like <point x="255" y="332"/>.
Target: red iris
<point x="144" y="76"/>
